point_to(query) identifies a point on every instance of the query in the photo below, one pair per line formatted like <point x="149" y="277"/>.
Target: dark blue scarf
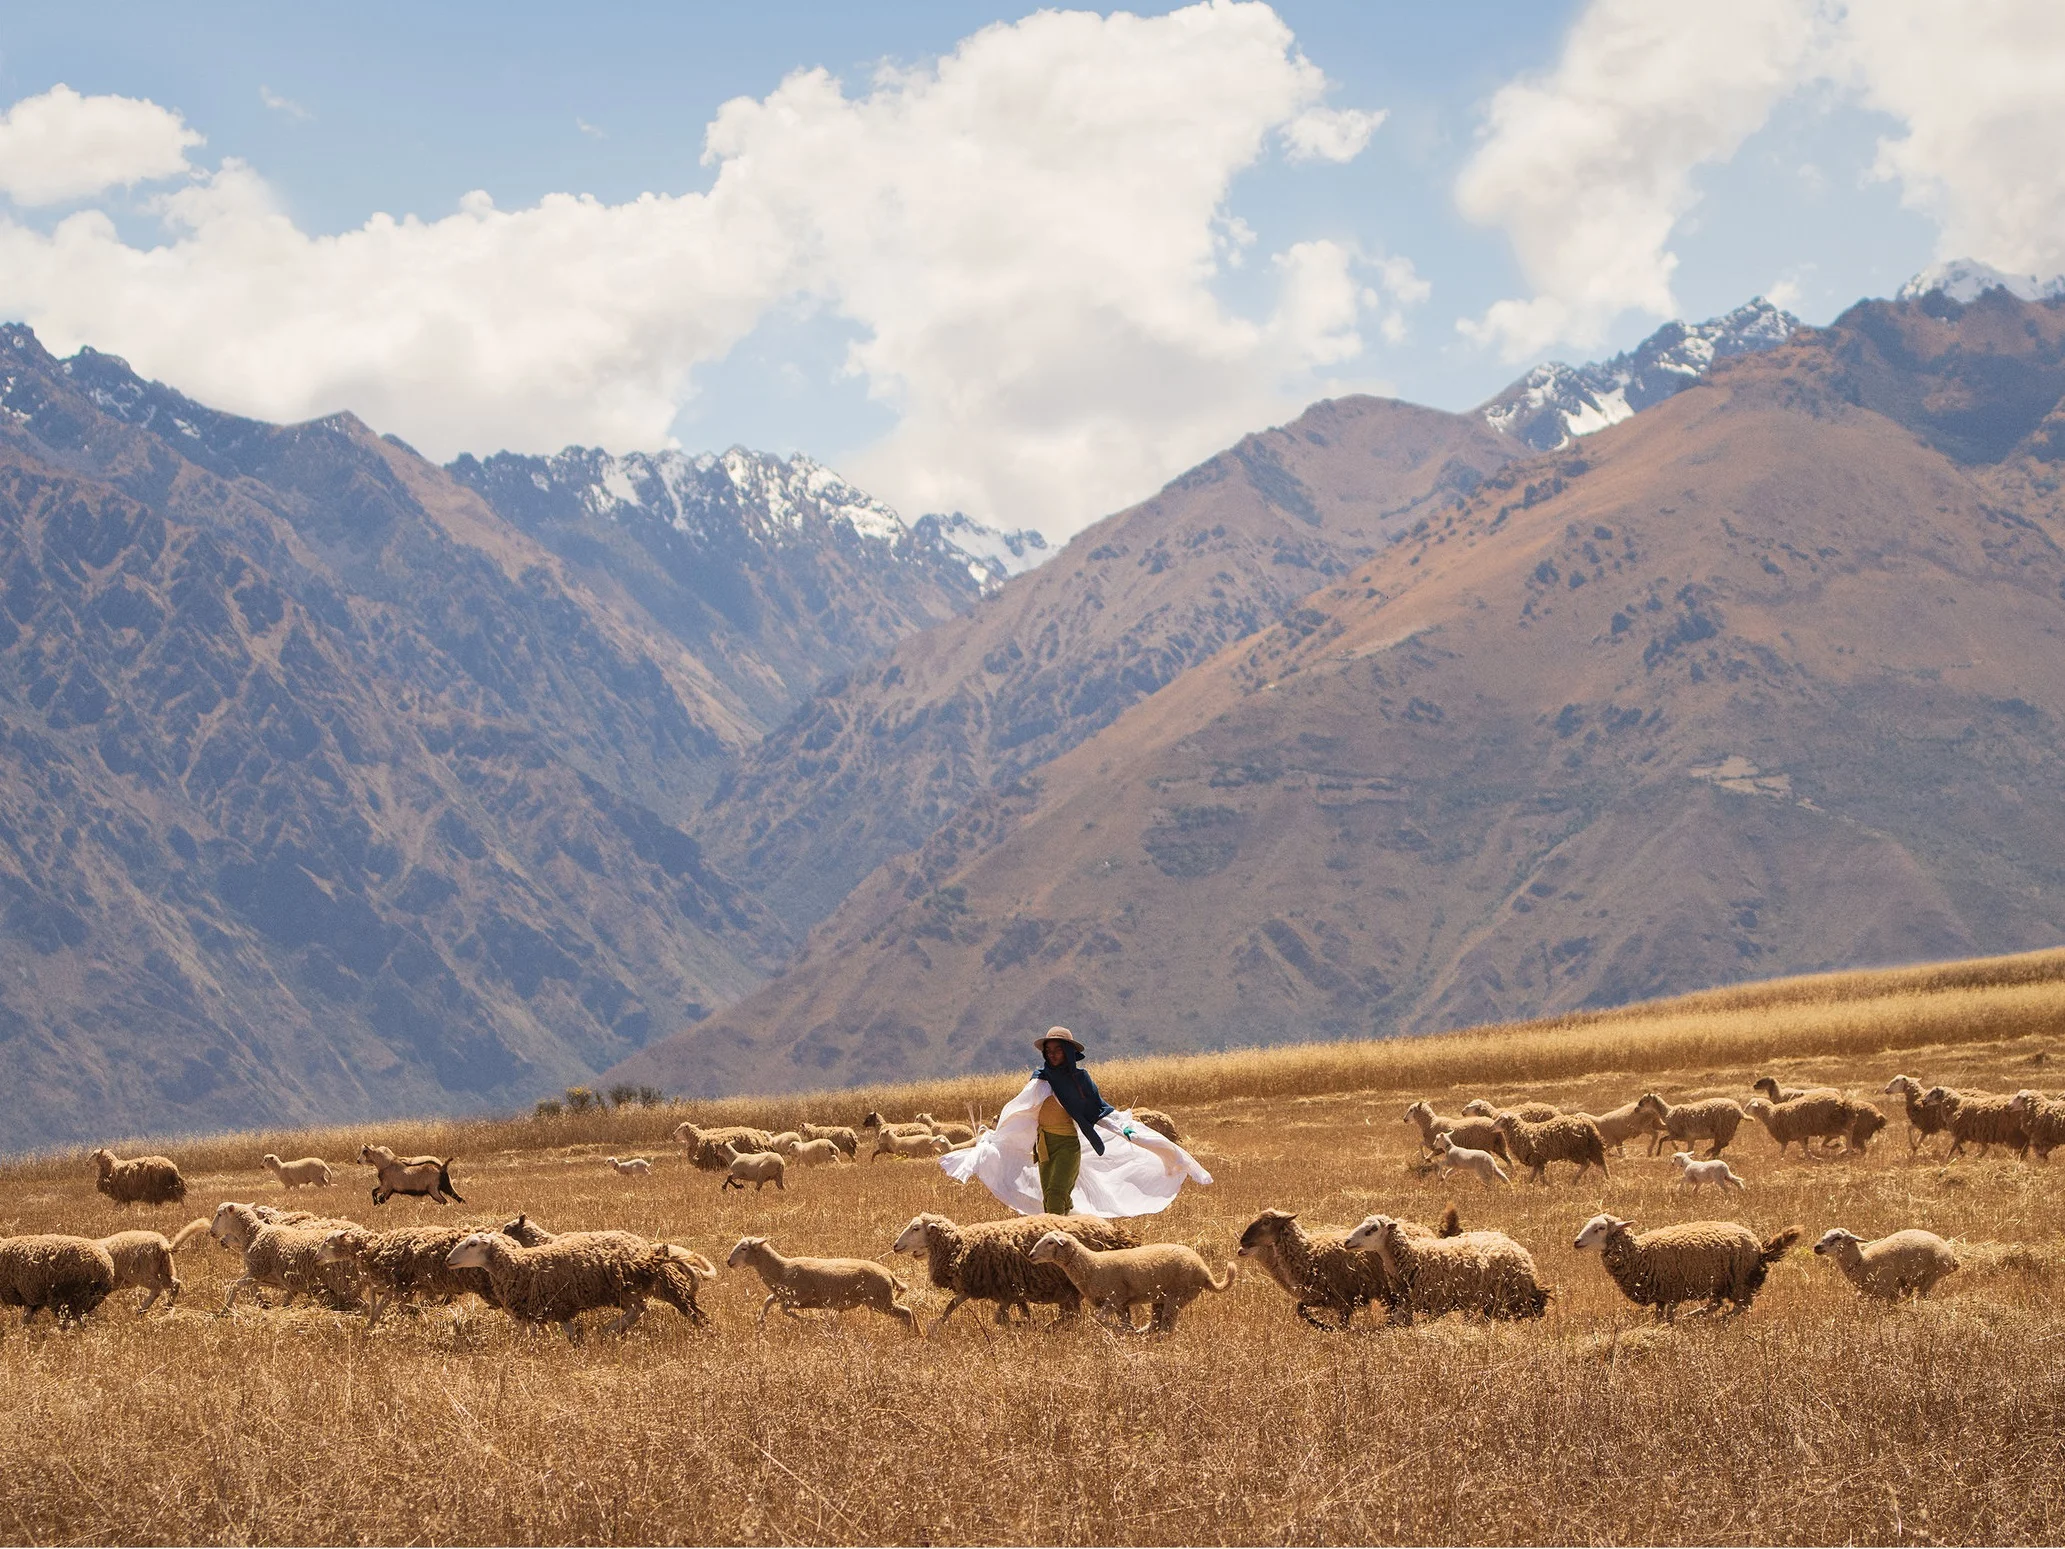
<point x="1078" y="1095"/>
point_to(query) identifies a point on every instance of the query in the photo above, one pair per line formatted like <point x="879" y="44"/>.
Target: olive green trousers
<point x="1061" y="1162"/>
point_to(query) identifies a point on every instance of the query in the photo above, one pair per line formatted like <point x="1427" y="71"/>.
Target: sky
<point x="1023" y="264"/>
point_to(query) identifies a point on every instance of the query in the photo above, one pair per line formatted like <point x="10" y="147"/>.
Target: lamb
<point x="631" y="1166"/>
<point x="1569" y="1137"/>
<point x="286" y="1258"/>
<point x="1716" y="1171"/>
<point x="1448" y="1156"/>
<point x="1816" y="1117"/>
<point x="1479" y="1274"/>
<point x="1710" y="1261"/>
<point x="702" y="1144"/>
<point x="144" y="1260"/>
<point x="956" y="1133"/>
<point x="1620" y="1125"/>
<point x="1975" y="1118"/>
<point x="559" y="1280"/>
<point x="817" y="1153"/>
<point x="1165" y="1276"/>
<point x="675" y="1282"/>
<point x="992" y="1260"/>
<point x="1159" y="1122"/>
<point x="69" y="1275"/>
<point x="1922" y="1122"/>
<point x="888" y="1143"/>
<point x="2042" y="1119"/>
<point x="838" y="1134"/>
<point x="1533" y="1113"/>
<point x="426" y="1177"/>
<point x="1475" y="1134"/>
<point x="1318" y="1269"/>
<point x="759" y="1168"/>
<point x="142" y="1180"/>
<point x="882" y="1127"/>
<point x="827" y="1285"/>
<point x="308" y="1172"/>
<point x="1714" y="1120"/>
<point x="1905" y="1264"/>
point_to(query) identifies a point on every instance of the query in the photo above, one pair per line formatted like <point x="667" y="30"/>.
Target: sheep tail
<point x="444" y="1180"/>
<point x="700" y="1266"/>
<point x="187" y="1233"/>
<point x="1451" y="1223"/>
<point x="1232" y="1269"/>
<point x="1778" y="1247"/>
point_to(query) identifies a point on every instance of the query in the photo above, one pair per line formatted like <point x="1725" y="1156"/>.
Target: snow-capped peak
<point x="993" y="556"/>
<point x="1965" y="280"/>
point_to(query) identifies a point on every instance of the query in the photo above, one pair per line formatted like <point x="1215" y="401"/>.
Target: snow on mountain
<point x="994" y="556"/>
<point x="1965" y="280"/>
<point x="1555" y="403"/>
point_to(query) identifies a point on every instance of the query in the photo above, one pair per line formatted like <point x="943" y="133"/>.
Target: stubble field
<point x="1814" y="1418"/>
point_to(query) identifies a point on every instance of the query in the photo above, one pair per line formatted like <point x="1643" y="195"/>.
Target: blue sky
<point x="1697" y="155"/>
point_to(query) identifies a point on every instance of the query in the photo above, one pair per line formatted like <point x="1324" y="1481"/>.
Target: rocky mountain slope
<point x="1769" y="678"/>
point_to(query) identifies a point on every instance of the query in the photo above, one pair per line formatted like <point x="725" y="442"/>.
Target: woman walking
<point x="1033" y="1160"/>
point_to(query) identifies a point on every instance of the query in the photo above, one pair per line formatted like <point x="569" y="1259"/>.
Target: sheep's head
<point x="104" y="1159"/>
<point x="1416" y="1111"/>
<point x="1265" y="1229"/>
<point x="234" y="1225"/>
<point x="1906" y="1086"/>
<point x="1758" y="1108"/>
<point x="1050" y="1247"/>
<point x="1838" y="1241"/>
<point x="1683" y="1159"/>
<point x="1441" y="1145"/>
<point x="917" y="1237"/>
<point x="338" y="1246"/>
<point x="269" y="1160"/>
<point x="726" y="1151"/>
<point x="1506" y="1123"/>
<point x="2025" y="1101"/>
<point x="376" y="1156"/>
<point x="872" y="1121"/>
<point x="1479" y="1107"/>
<point x="1373" y="1230"/>
<point x="1650" y="1102"/>
<point x="1599" y="1229"/>
<point x="685" y="1134"/>
<point x="524" y="1231"/>
<point x="1767" y="1086"/>
<point x="472" y="1252"/>
<point x="1936" y="1097"/>
<point x="744" y="1251"/>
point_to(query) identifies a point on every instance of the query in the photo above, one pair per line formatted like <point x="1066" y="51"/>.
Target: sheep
<point x="955" y="1132"/>
<point x="1448" y="1156"/>
<point x="1484" y="1274"/>
<point x="1475" y="1134"/>
<point x="142" y="1180"/>
<point x="1867" y="1119"/>
<point x="1533" y="1113"/>
<point x="308" y="1172"/>
<point x="702" y="1144"/>
<point x="397" y="1265"/>
<point x="1905" y="1264"/>
<point x="992" y="1260"/>
<point x="144" y="1260"/>
<point x="272" y="1215"/>
<point x="882" y="1127"/>
<point x="1318" y="1270"/>
<point x="817" y="1153"/>
<point x="1922" y="1122"/>
<point x="1714" y="1120"/>
<point x="1710" y="1261"/>
<point x="1817" y="1116"/>
<point x="427" y="1177"/>
<point x="1693" y="1173"/>
<point x="827" y="1285"/>
<point x="896" y="1145"/>
<point x="1768" y="1088"/>
<point x="784" y="1143"/>
<point x="838" y="1134"/>
<point x="759" y="1168"/>
<point x="1618" y="1126"/>
<point x="1166" y="1276"/>
<point x="1973" y="1117"/>
<point x="675" y="1281"/>
<point x="1159" y="1122"/>
<point x="286" y="1258"/>
<point x="69" y="1275"/>
<point x="2042" y="1119"/>
<point x="559" y="1280"/>
<point x="1569" y="1137"/>
<point x="630" y="1166"/>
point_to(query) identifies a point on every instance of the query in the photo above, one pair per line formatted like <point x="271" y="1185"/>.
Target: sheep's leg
<point x="235" y="1286"/>
<point x="631" y="1315"/>
<point x="959" y="1298"/>
<point x="772" y="1298"/>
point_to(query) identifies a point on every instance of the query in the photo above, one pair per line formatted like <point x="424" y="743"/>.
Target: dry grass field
<point x="1814" y="1418"/>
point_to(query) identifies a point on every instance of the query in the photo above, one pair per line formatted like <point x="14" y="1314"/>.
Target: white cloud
<point x="1026" y="234"/>
<point x="59" y="145"/>
<point x="280" y="104"/>
<point x="1330" y="134"/>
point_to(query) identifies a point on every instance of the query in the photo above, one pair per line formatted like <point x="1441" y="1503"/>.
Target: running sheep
<point x="1716" y="1171"/>
<point x="1533" y="1113"/>
<point x="142" y="1180"/>
<point x="992" y="1260"/>
<point x="1905" y="1264"/>
<point x="1818" y="1116"/>
<point x="2042" y="1119"/>
<point x="1476" y="1134"/>
<point x="759" y="1168"/>
<point x="559" y="1280"/>
<point x="630" y="1166"/>
<point x="1618" y="1126"/>
<point x="1696" y="1261"/>
<point x="307" y="1172"/>
<point x="425" y="1177"/>
<point x="1980" y="1119"/>
<point x="676" y="1282"/>
<point x="283" y="1258"/>
<point x="1569" y="1137"/>
<point x="838" y="1134"/>
<point x="817" y="1153"/>
<point x="1320" y="1272"/>
<point x="1714" y="1120"/>
<point x="801" y="1285"/>
<point x="1165" y="1277"/>
<point x="897" y="1145"/>
<point x="1482" y="1165"/>
<point x="69" y="1275"/>
<point x="1922" y="1122"/>
<point x="1478" y="1274"/>
<point x="143" y="1260"/>
<point x="1767" y="1087"/>
<point x="400" y="1265"/>
<point x="702" y="1144"/>
<point x="955" y="1133"/>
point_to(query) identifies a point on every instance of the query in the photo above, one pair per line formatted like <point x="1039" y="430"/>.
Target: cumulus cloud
<point x="59" y="146"/>
<point x="1025" y="233"/>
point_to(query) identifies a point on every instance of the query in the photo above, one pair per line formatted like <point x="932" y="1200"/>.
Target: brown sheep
<point x="144" y="1260"/>
<point x="992" y="1260"/>
<point x="69" y="1275"/>
<point x="1320" y="1272"/>
<point x="1533" y="1113"/>
<point x="1714" y="1120"/>
<point x="1814" y="1117"/>
<point x="1569" y="1137"/>
<point x="2043" y="1121"/>
<point x="1473" y="1134"/>
<point x="1921" y="1122"/>
<point x="1974" y="1118"/>
<point x="142" y="1180"/>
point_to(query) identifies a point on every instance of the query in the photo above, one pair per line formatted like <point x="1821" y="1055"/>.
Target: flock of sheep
<point x="1409" y="1269"/>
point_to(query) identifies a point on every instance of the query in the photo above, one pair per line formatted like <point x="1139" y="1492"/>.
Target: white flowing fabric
<point x="1140" y="1172"/>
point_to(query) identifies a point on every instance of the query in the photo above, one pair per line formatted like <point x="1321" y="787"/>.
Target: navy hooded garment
<point x="1077" y="1094"/>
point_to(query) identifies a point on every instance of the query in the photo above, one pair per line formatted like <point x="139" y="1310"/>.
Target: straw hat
<point x="1061" y="1033"/>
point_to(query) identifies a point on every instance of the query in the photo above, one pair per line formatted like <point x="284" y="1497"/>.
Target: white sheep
<point x="284" y="1258"/>
<point x="825" y="1285"/>
<point x="307" y="1172"/>
<point x="1618" y="1126"/>
<point x="1474" y="1133"/>
<point x="758" y="1168"/>
<point x="144" y="1260"/>
<point x="1713" y="1119"/>
<point x="890" y="1143"/>
<point x="1905" y="1264"/>
<point x="1165" y="1277"/>
<point x="630" y="1166"/>
<point x="1692" y="1173"/>
<point x="1709" y="1261"/>
<point x="784" y="1143"/>
<point x="817" y="1153"/>
<point x="1479" y="1274"/>
<point x="427" y="1177"/>
<point x="1482" y="1165"/>
<point x="839" y="1135"/>
<point x="559" y="1280"/>
<point x="2042" y="1119"/>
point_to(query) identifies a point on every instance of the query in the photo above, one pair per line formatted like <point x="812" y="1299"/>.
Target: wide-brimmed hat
<point x="1061" y="1033"/>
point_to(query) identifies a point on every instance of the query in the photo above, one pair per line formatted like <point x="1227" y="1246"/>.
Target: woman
<point x="1033" y="1160"/>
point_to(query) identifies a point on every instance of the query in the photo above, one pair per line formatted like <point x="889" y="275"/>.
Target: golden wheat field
<point x="1814" y="1418"/>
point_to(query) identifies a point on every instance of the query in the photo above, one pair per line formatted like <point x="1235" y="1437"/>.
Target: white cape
<point x="1140" y="1172"/>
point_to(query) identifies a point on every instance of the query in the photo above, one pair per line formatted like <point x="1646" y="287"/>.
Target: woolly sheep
<point x="1977" y="1118"/>
<point x="2042" y="1119"/>
<point x="676" y="1280"/>
<point x="1714" y="1120"/>
<point x="1709" y="1261"/>
<point x="1159" y="1122"/>
<point x="69" y="1275"/>
<point x="1165" y="1277"/>
<point x="1905" y="1264"/>
<point x="1482" y="1165"/>
<point x="1569" y="1137"/>
<point x="559" y="1280"/>
<point x="894" y="1145"/>
<point x="1478" y="1274"/>
<point x="144" y="1260"/>
<point x="284" y="1258"/>
<point x="992" y="1260"/>
<point x="838" y="1134"/>
<point x="1618" y="1126"/>
<point x="702" y="1144"/>
<point x="630" y="1166"/>
<point x="399" y="1265"/>
<point x="427" y="1177"/>
<point x="826" y="1285"/>
<point x="955" y="1132"/>
<point x="1693" y="1173"/>
<point x="307" y="1172"/>
<point x="817" y="1153"/>
<point x="881" y="1127"/>
<point x="1533" y="1113"/>
<point x="1922" y="1122"/>
<point x="1476" y="1134"/>
<point x="759" y="1168"/>
<point x="1318" y="1270"/>
<point x="142" y="1180"/>
<point x="781" y="1145"/>
<point x="1768" y="1088"/>
<point x="1817" y="1116"/>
